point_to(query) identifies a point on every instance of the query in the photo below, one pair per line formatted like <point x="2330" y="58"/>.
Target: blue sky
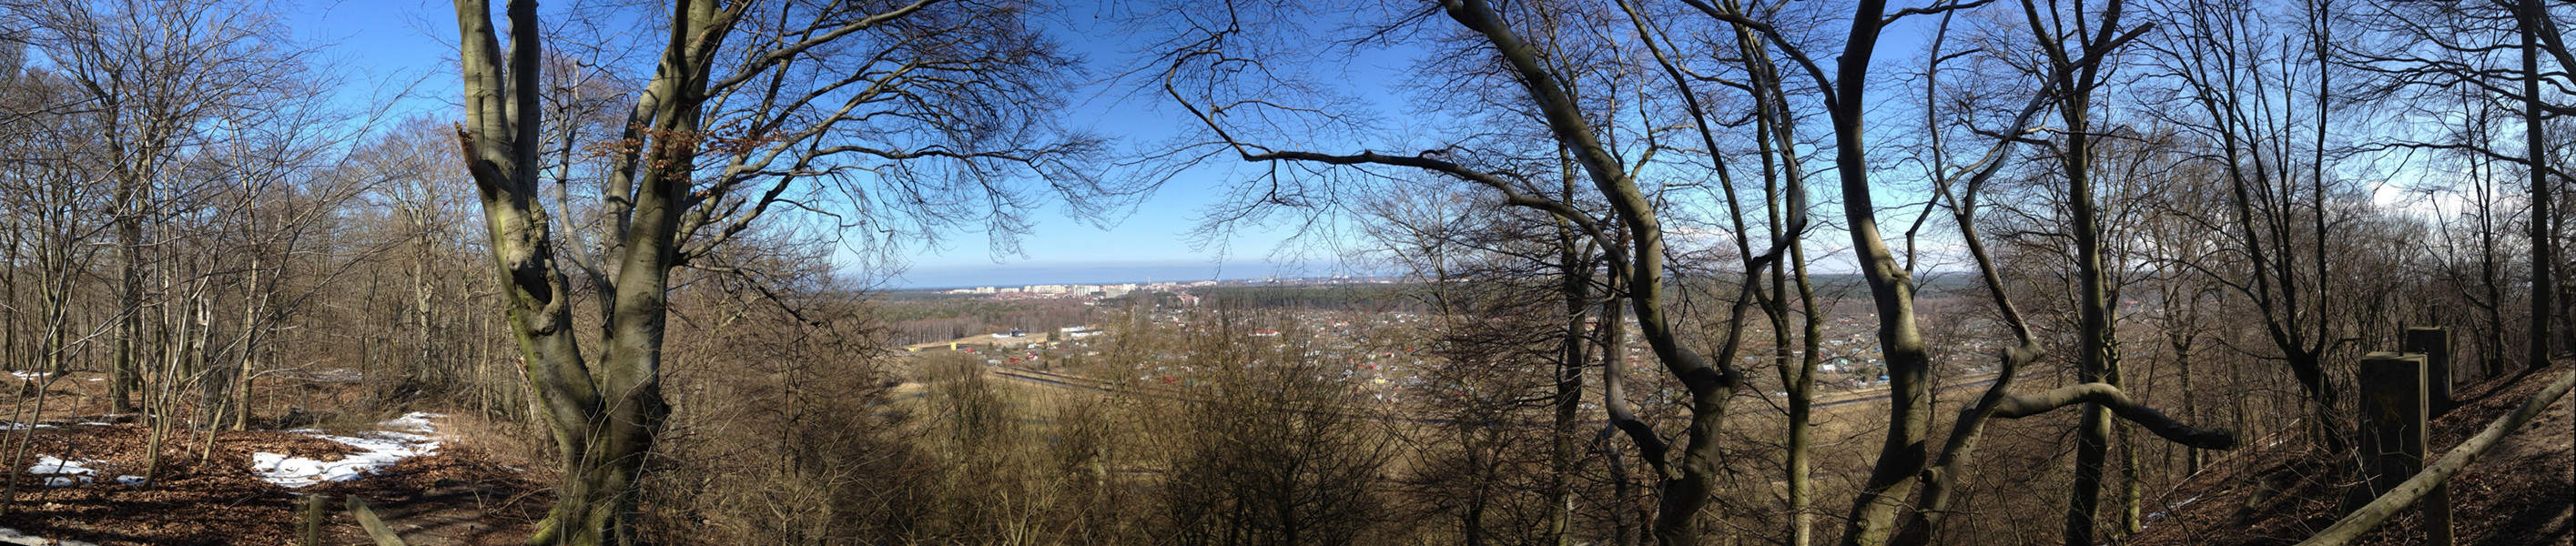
<point x="1151" y="241"/>
<point x="386" y="47"/>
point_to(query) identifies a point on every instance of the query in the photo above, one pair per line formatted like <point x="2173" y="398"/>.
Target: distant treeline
<point x="1390" y="297"/>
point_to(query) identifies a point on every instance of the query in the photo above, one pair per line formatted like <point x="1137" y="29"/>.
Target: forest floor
<point x="2281" y="490"/>
<point x="90" y="480"/>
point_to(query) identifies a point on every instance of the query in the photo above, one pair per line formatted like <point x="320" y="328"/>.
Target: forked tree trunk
<point x="604" y="414"/>
<point x="2073" y="86"/>
<point x="1775" y="137"/>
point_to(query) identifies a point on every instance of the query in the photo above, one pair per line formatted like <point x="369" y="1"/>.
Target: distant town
<point x="1114" y="290"/>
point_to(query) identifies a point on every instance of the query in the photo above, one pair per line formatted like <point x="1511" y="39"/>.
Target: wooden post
<point x="316" y="512"/>
<point x="2435" y="343"/>
<point x="2393" y="408"/>
<point x="2392" y="411"/>
<point x="376" y="528"/>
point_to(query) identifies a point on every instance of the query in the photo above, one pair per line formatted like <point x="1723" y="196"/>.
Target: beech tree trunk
<point x="2073" y="87"/>
<point x="1903" y="452"/>
<point x="2543" y="247"/>
<point x="604" y="414"/>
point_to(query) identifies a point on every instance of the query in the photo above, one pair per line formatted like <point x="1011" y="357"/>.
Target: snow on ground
<point x="2160" y="514"/>
<point x="12" y="536"/>
<point x="61" y="472"/>
<point x="58" y="472"/>
<point x="414" y="422"/>
<point x="406" y="437"/>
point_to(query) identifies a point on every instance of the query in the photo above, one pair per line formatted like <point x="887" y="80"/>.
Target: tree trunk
<point x="1576" y="289"/>
<point x="498" y="148"/>
<point x="604" y="415"/>
<point x="2324" y="422"/>
<point x="1775" y="138"/>
<point x="1802" y="405"/>
<point x="1902" y="454"/>
<point x="2094" y="330"/>
<point x="2190" y="401"/>
<point x="2491" y="349"/>
<point x="2131" y="492"/>
<point x="2543" y="262"/>
<point x="129" y="293"/>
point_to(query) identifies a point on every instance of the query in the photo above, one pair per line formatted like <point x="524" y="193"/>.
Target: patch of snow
<point x="6" y="425"/>
<point x="378" y="450"/>
<point x="30" y="376"/>
<point x="59" y="472"/>
<point x="48" y="464"/>
<point x="131" y="480"/>
<point x="339" y="375"/>
<point x="415" y="422"/>
<point x="12" y="536"/>
<point x="2160" y="514"/>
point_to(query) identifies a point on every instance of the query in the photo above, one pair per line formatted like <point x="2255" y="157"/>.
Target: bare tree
<point x="927" y="114"/>
<point x="2228" y="64"/>
<point x="1200" y="62"/>
<point x="158" y="75"/>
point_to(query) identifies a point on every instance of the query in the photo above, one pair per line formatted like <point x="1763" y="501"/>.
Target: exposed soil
<point x="456" y="496"/>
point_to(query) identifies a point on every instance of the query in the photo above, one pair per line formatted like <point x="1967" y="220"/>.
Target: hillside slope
<point x="2279" y="491"/>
